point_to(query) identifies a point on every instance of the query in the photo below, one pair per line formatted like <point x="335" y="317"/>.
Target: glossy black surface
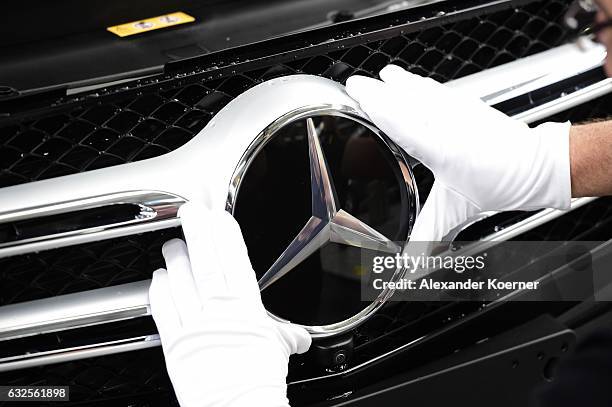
<point x="274" y="203"/>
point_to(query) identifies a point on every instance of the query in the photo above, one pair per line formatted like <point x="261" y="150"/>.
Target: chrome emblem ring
<point x="328" y="221"/>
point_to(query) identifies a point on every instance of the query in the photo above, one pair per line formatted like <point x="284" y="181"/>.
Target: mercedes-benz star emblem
<point x="327" y="223"/>
<point x="317" y="191"/>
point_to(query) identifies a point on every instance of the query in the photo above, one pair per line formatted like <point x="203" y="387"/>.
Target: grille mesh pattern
<point x="82" y="267"/>
<point x="98" y="135"/>
<point x="592" y="222"/>
<point x="141" y="374"/>
<point x="154" y="123"/>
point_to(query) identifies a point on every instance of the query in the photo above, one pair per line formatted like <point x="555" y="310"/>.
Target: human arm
<point x="591" y="159"/>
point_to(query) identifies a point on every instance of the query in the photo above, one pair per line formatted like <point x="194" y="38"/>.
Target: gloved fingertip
<point x="361" y="87"/>
<point x="184" y="209"/>
<point x="392" y="73"/>
<point x="227" y="229"/>
<point x="229" y="220"/>
<point x="193" y="212"/>
<point x="161" y="305"/>
<point x="158" y="274"/>
<point x="296" y="337"/>
<point x="424" y="228"/>
<point x="197" y="223"/>
<point x="157" y="283"/>
<point x="304" y="342"/>
<point x="423" y="236"/>
<point x="173" y="247"/>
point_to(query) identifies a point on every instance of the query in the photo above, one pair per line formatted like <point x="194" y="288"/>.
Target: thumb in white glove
<point x="220" y="345"/>
<point x="482" y="159"/>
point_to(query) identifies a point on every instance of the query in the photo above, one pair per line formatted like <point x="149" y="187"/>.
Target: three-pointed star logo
<point x="327" y="223"/>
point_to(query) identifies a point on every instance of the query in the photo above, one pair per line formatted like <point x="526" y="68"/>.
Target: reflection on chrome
<point x="152" y="210"/>
<point x="327" y="223"/>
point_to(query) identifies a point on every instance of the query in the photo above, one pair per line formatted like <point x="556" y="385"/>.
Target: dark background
<point x="46" y="43"/>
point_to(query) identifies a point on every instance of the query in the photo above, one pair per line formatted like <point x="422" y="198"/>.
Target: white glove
<point x="482" y="159"/>
<point x="221" y="347"/>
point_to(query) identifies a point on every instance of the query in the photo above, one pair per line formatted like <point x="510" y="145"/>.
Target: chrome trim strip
<point x="76" y="353"/>
<point x="538" y="219"/>
<point x="77" y="310"/>
<point x="534" y="72"/>
<point x="149" y="200"/>
<point x="532" y="222"/>
<point x="154" y="207"/>
<point x="90" y="237"/>
<point x="567" y="101"/>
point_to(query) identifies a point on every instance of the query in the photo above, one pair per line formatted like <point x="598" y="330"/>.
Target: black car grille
<point x="592" y="222"/>
<point x="136" y="379"/>
<point x="133" y="258"/>
<point x="82" y="267"/>
<point x="125" y="127"/>
<point x="139" y="379"/>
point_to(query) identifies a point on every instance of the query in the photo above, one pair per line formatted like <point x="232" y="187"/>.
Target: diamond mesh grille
<point x="81" y="267"/>
<point x="138" y="377"/>
<point x="131" y="128"/>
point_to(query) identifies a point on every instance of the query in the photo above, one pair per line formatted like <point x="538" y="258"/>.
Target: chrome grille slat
<point x="149" y="209"/>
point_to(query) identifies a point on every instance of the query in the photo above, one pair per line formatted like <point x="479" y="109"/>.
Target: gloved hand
<point x="220" y="345"/>
<point x="482" y="159"/>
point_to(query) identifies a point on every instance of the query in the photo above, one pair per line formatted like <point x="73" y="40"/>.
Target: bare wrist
<point x="590" y="159"/>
